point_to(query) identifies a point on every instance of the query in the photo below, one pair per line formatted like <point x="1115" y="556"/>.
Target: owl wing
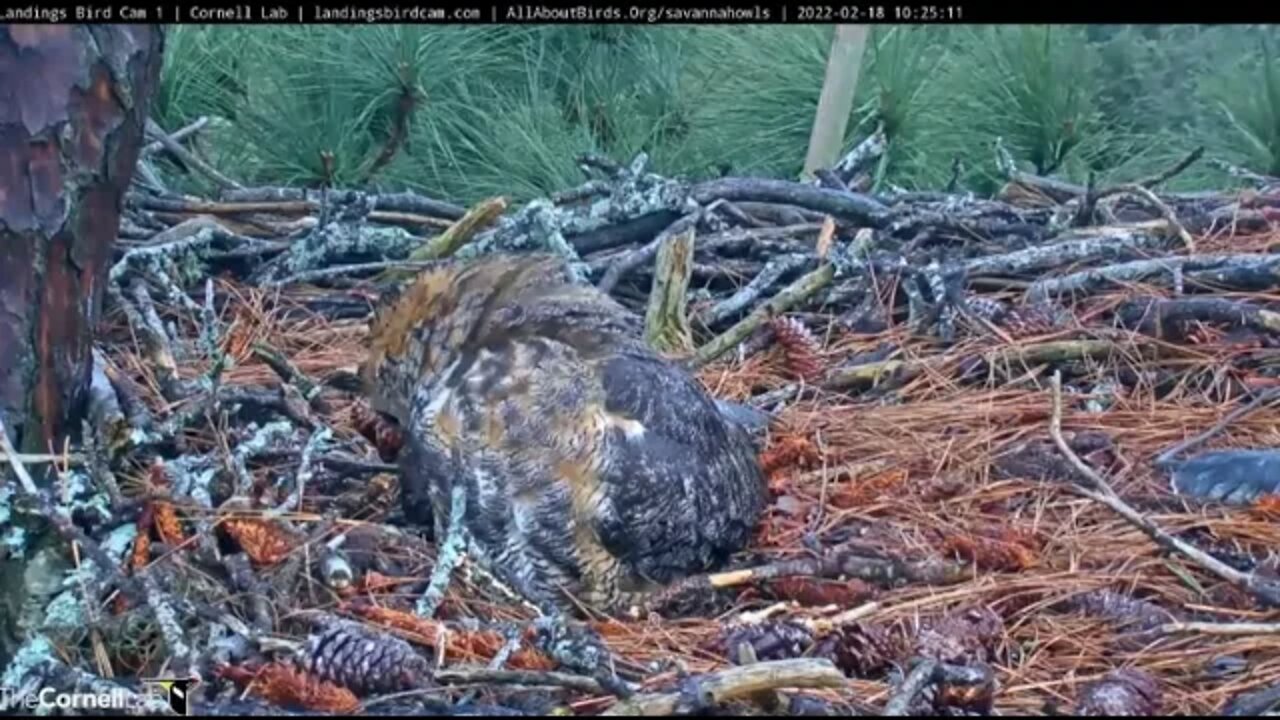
<point x="682" y="487"/>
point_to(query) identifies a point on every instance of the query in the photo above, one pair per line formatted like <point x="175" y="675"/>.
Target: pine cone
<point x="770" y="640"/>
<point x="991" y="310"/>
<point x="860" y="650"/>
<point x="167" y="523"/>
<point x="384" y="433"/>
<point x="1036" y="319"/>
<point x="962" y="638"/>
<point x="1121" y="692"/>
<point x="1121" y="609"/>
<point x="364" y="660"/>
<point x="800" y="347"/>
<point x="264" y="541"/>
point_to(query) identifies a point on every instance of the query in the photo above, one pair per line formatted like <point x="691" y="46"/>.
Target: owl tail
<point x="750" y="419"/>
<point x="1234" y="477"/>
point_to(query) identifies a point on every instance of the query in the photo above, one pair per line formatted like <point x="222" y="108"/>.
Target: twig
<point x="737" y="683"/>
<point x="177" y="135"/>
<point x="1100" y="491"/>
<point x="666" y="326"/>
<point x="773" y="271"/>
<point x="288" y="372"/>
<point x="1220" y="270"/>
<point x="189" y="158"/>
<point x="449" y="554"/>
<point x="1209" y="628"/>
<point x="305" y="471"/>
<point x="921" y="677"/>
<point x="1168" y="457"/>
<point x="528" y="678"/>
<point x="460" y="233"/>
<point x="797" y="292"/>
<point x="340" y="270"/>
<point x="1172" y="172"/>
<point x="635" y="258"/>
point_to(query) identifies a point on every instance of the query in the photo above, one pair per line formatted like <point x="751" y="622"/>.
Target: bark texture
<point x="73" y="102"/>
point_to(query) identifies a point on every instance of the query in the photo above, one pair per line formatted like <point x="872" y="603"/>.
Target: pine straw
<point x="910" y="474"/>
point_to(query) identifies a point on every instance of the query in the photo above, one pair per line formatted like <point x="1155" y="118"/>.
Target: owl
<point x="595" y="470"/>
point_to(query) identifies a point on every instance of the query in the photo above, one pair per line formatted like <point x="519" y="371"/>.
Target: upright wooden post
<point x="844" y="63"/>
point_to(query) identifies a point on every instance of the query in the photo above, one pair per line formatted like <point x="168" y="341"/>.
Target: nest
<point x="926" y="549"/>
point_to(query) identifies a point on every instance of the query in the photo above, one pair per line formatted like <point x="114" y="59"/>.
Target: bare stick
<point x="460" y="233"/>
<point x="528" y="678"/>
<point x="666" y="326"/>
<point x="449" y="555"/>
<point x="177" y="135"/>
<point x="189" y="158"/>
<point x="738" y="683"/>
<point x="635" y="258"/>
<point x="915" y="683"/>
<point x="1167" y="457"/>
<point x="1101" y="492"/>
<point x="1209" y="628"/>
<point x="288" y="372"/>
<point x="797" y="292"/>
<point x="340" y="270"/>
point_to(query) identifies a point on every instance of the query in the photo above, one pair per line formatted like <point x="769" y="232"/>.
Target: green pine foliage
<point x="469" y="112"/>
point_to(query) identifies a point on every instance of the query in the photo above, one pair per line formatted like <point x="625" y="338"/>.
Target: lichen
<point x="85" y="500"/>
<point x="27" y="662"/>
<point x="66" y="611"/>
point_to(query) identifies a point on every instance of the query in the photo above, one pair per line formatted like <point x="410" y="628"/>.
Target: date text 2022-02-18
<point x="876" y="13"/>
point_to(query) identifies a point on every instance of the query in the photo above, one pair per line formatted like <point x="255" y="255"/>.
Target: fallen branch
<point x="736" y="683"/>
<point x="460" y="233"/>
<point x="526" y="678"/>
<point x="917" y="681"/>
<point x="643" y="255"/>
<point x="189" y="158"/>
<point x="666" y="327"/>
<point x="1229" y="271"/>
<point x="797" y="292"/>
<point x="1209" y="628"/>
<point x="177" y="135"/>
<point x="1267" y="590"/>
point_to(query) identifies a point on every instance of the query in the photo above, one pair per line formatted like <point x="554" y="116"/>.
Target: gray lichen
<point x="28" y="666"/>
<point x="66" y="611"/>
<point x="545" y="224"/>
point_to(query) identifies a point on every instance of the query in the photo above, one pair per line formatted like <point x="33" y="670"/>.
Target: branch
<point x="666" y="326"/>
<point x="1100" y="491"/>
<point x="797" y="292"/>
<point x="737" y="683"/>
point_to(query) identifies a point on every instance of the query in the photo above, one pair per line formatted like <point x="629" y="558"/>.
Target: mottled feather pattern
<point x="592" y="465"/>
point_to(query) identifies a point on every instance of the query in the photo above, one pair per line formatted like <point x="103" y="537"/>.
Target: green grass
<point x="470" y="112"/>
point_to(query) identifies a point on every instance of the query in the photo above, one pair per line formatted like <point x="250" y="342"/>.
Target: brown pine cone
<point x="988" y="309"/>
<point x="963" y="637"/>
<point x="860" y="650"/>
<point x="1124" y="692"/>
<point x="364" y="660"/>
<point x="800" y="347"/>
<point x="769" y="640"/>
<point x="383" y="432"/>
<point x="1037" y="319"/>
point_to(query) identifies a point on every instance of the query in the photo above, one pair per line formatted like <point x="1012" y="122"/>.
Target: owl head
<point x="417" y="329"/>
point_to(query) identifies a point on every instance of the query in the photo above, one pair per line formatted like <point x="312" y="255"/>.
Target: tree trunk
<point x="73" y="100"/>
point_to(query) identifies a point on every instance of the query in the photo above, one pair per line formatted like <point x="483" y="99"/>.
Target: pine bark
<point x="73" y="102"/>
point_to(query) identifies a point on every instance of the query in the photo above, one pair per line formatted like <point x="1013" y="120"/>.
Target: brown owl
<point x="592" y="466"/>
